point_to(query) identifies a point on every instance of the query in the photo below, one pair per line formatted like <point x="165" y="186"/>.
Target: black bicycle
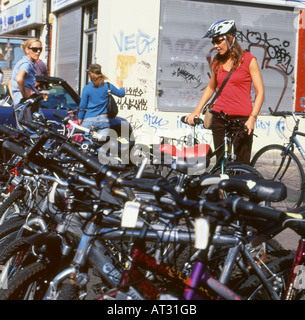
<point x="225" y="163"/>
<point x="281" y="163"/>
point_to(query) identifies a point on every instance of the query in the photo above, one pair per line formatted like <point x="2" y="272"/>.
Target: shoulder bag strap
<point x="220" y="89"/>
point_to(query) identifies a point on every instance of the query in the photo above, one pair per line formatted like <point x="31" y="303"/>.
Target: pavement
<point x="288" y="239"/>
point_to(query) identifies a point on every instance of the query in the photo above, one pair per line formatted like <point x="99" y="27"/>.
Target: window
<point x="56" y="97"/>
<point x="183" y="58"/>
<point x="89" y="40"/>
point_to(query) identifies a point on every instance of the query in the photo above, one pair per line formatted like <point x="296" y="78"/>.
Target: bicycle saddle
<point x="198" y="150"/>
<point x="257" y="189"/>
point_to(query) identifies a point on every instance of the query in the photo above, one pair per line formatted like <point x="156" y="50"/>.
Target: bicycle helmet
<point x="220" y="28"/>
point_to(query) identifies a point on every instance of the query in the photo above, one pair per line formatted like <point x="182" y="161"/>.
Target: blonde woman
<point x="24" y="72"/>
<point x="235" y="98"/>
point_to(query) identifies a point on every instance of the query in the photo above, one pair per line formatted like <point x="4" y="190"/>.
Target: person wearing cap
<point x="94" y="98"/>
<point x="235" y="98"/>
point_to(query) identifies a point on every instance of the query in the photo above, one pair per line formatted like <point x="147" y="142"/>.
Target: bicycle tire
<point x="234" y="168"/>
<point x="8" y="208"/>
<point x="9" y="230"/>
<point x="68" y="291"/>
<point x="13" y="248"/>
<point x="17" y="288"/>
<point x="267" y="161"/>
<point x="252" y="288"/>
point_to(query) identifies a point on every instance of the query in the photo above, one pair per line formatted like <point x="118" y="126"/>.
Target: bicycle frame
<point x="296" y="268"/>
<point x="293" y="140"/>
<point x="199" y="285"/>
<point x="227" y="152"/>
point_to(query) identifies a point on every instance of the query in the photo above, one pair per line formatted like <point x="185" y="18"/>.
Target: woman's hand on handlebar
<point x="190" y="118"/>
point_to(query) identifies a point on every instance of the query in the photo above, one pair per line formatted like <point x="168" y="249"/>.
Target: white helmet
<point x="220" y="28"/>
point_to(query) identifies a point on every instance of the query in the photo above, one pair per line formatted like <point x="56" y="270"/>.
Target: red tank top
<point x="235" y="98"/>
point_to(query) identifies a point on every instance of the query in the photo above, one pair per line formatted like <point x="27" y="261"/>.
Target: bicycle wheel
<point x="29" y="284"/>
<point x="272" y="164"/>
<point x="277" y="273"/>
<point x="13" y="205"/>
<point x="234" y="168"/>
<point x="9" y="230"/>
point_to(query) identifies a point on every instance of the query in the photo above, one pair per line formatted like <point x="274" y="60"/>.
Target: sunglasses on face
<point x="217" y="41"/>
<point x="36" y="49"/>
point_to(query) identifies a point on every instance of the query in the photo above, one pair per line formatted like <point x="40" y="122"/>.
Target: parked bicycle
<point x="160" y="243"/>
<point x="225" y="164"/>
<point x="282" y="163"/>
<point x="33" y="275"/>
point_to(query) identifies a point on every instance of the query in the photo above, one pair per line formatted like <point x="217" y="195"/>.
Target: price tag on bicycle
<point x="130" y="214"/>
<point x="17" y="180"/>
<point x="202" y="231"/>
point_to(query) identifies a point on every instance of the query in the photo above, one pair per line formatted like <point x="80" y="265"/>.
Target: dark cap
<point x="95" y="68"/>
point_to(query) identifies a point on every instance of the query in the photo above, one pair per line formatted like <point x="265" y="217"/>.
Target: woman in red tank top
<point x="235" y="98"/>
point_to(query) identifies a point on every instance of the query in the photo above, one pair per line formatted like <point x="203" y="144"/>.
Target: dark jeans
<point x="242" y="143"/>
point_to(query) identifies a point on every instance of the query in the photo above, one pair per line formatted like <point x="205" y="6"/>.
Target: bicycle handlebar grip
<point x="30" y="124"/>
<point x="8" y="131"/>
<point x="254" y="210"/>
<point x="138" y="183"/>
<point x="38" y="145"/>
<point x="38" y="98"/>
<point x="56" y="168"/>
<point x="88" y="161"/>
<point x="34" y="98"/>
<point x="280" y="113"/>
<point x="14" y="148"/>
<point x="59" y="115"/>
<point x="197" y="121"/>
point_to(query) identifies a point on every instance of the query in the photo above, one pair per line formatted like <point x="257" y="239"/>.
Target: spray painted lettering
<point x="156" y="122"/>
<point x="275" y="49"/>
<point x="141" y="42"/>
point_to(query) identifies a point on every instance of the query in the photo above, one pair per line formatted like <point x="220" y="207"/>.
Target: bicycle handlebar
<point x="30" y="124"/>
<point x="59" y="116"/>
<point x="14" y="148"/>
<point x="230" y="122"/>
<point x="197" y="121"/>
<point x="255" y="188"/>
<point x="251" y="209"/>
<point x="29" y="101"/>
<point x="286" y="113"/>
<point x="66" y="120"/>
<point x="9" y="131"/>
<point x="38" y="145"/>
<point x="74" y="177"/>
<point x="38" y="160"/>
<point x="88" y="161"/>
<point x="223" y="209"/>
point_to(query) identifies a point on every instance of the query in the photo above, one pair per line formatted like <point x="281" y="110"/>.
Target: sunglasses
<point x="36" y="49"/>
<point x="217" y="41"/>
